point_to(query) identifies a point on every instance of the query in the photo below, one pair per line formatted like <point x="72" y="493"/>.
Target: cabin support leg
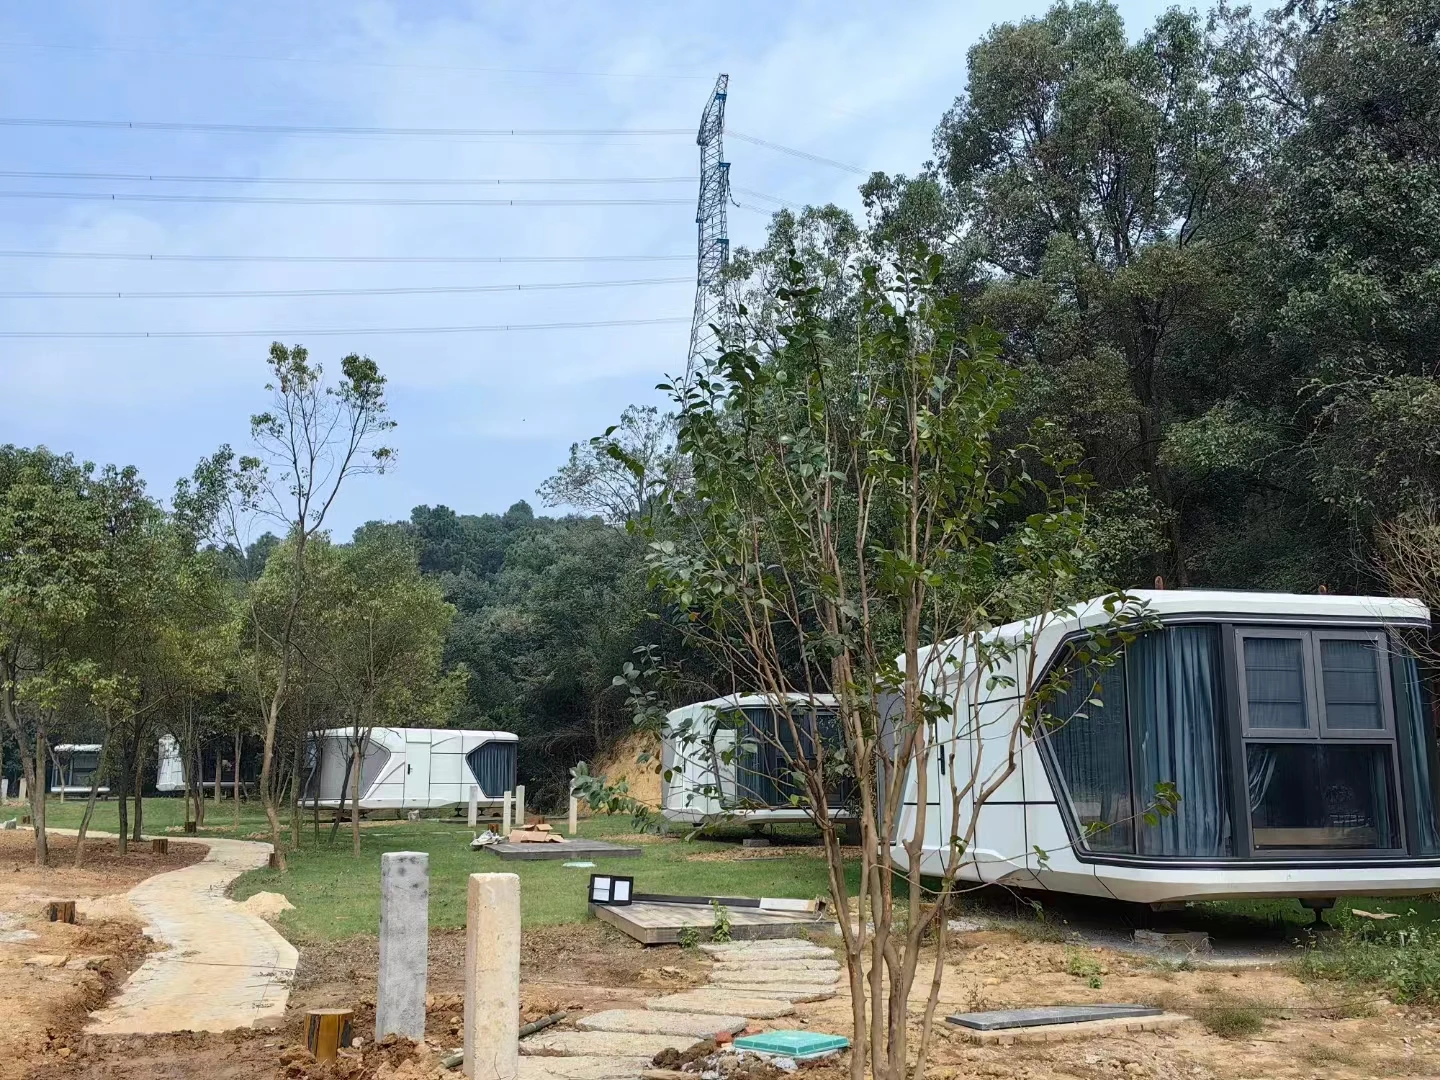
<point x="1318" y="905"/>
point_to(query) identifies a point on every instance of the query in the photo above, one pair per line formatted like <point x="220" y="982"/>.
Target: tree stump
<point x="61" y="911"/>
<point x="326" y="1030"/>
<point x="189" y="826"/>
<point x="160" y="846"/>
<point x="24" y="819"/>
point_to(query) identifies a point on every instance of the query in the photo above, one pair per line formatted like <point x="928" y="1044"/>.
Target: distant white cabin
<point x="1298" y="731"/>
<point x="412" y="768"/>
<point x="750" y="786"/>
<point x="72" y="767"/>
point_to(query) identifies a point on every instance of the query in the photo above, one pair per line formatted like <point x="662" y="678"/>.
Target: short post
<point x="404" y="942"/>
<point x="505" y="816"/>
<point x="189" y="826"/>
<point x="61" y="911"/>
<point x="160" y="845"/>
<point x="326" y="1031"/>
<point x="520" y="806"/>
<point x="22" y="789"/>
<point x="492" y="977"/>
<point x="474" y="805"/>
<point x="4" y="788"/>
<point x="574" y="815"/>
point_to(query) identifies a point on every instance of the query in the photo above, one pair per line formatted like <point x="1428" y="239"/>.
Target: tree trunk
<point x="37" y="801"/>
<point x="139" y="790"/>
<point x="359" y="758"/>
<point x="122" y="793"/>
<point x="295" y="793"/>
<point x="267" y="771"/>
<point x="344" y="794"/>
<point x="199" y="787"/>
<point x="10" y="714"/>
<point x="236" y="787"/>
<point x="219" y="764"/>
<point x="89" y="809"/>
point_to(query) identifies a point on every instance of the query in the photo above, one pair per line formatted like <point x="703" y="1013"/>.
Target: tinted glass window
<point x="1275" y="682"/>
<point x="1350" y="679"/>
<point x="1085" y="727"/>
<point x="1322" y="795"/>
<point x="493" y="766"/>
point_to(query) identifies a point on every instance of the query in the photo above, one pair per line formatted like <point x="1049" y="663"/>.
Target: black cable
<point x="418" y="290"/>
<point x="802" y="154"/>
<point x="333" y="332"/>
<point x="378" y="259"/>
<point x="341" y="181"/>
<point x="309" y="200"/>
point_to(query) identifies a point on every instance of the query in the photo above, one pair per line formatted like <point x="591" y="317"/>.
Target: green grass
<point x="336" y="894"/>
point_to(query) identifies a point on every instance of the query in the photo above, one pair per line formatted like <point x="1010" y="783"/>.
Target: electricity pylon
<point x="713" y="252"/>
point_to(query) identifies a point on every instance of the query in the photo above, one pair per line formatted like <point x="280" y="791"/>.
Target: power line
<point x="292" y="129"/>
<point x="802" y="154"/>
<point x="348" y="180"/>
<point x="378" y="259"/>
<point x="419" y="290"/>
<point x="313" y="200"/>
<point x="339" y="332"/>
<point x="344" y="63"/>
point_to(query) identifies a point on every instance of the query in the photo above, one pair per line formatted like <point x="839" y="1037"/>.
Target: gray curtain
<point x="1417" y="732"/>
<point x="1177" y="722"/>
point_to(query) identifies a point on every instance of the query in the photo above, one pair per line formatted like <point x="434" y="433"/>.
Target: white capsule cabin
<point x="72" y="768"/>
<point x="724" y="759"/>
<point x="1297" y="730"/>
<point x="411" y="768"/>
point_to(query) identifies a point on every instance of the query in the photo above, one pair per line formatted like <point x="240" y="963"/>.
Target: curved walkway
<point x="222" y="967"/>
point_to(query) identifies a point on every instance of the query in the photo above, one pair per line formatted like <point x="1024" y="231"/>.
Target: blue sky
<point x="483" y="418"/>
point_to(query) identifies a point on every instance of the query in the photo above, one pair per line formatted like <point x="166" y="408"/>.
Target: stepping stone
<point x="612" y="1044"/>
<point x="714" y="1000"/>
<point x="768" y="947"/>
<point x="782" y="992"/>
<point x="746" y="975"/>
<point x="790" y="952"/>
<point x="581" y="1068"/>
<point x="778" y="965"/>
<point x="639" y="1022"/>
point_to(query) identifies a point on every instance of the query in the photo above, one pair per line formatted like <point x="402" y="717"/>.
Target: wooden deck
<point x="568" y="849"/>
<point x="652" y="923"/>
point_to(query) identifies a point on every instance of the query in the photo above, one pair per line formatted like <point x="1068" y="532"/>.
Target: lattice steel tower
<point x="713" y="253"/>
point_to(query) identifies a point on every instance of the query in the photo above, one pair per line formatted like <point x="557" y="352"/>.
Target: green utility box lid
<point x="800" y="1045"/>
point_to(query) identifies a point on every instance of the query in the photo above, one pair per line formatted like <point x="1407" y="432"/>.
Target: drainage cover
<point x="1053" y="1014"/>
<point x="800" y="1045"/>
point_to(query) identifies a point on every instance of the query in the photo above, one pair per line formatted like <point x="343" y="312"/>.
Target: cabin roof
<point x="741" y="701"/>
<point x="493" y="736"/>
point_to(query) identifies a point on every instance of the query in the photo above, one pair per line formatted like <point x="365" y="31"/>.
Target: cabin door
<point x="417" y="767"/>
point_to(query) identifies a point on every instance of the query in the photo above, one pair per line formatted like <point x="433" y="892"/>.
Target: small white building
<point x="724" y="759"/>
<point x="411" y="768"/>
<point x="1297" y="730"/>
<point x="72" y="767"/>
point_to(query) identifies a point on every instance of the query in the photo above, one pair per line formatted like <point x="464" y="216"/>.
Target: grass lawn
<point x="336" y="894"/>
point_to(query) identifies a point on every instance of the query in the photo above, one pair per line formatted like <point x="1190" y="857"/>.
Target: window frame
<point x="1318" y="732"/>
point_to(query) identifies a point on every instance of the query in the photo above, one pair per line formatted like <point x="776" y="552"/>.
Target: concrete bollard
<point x="404" y="944"/>
<point x="4" y="789"/>
<point x="492" y="977"/>
<point x="505" y="816"/>
<point x="22" y="789"/>
<point x="574" y="815"/>
<point x="474" y="806"/>
<point x="520" y="806"/>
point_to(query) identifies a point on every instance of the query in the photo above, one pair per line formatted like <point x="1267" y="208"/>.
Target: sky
<point x="483" y="417"/>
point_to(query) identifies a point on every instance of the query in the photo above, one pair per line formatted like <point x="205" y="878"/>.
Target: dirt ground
<point x="53" y="974"/>
<point x="1304" y="1030"/>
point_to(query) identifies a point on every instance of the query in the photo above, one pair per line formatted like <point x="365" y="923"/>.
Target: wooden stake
<point x="326" y="1031"/>
<point x="161" y="845"/>
<point x="189" y="826"/>
<point x="61" y="911"/>
<point x="274" y="862"/>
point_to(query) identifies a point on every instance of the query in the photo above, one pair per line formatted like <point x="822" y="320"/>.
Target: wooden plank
<point x="565" y="849"/>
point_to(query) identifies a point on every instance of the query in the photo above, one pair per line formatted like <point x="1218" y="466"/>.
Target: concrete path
<point x="221" y="968"/>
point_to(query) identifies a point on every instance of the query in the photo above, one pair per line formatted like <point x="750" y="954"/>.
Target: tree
<point x="50" y="538"/>
<point x="852" y="507"/>
<point x="315" y="437"/>
<point x="595" y="481"/>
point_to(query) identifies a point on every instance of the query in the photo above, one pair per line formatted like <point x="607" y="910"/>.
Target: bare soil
<point x="54" y="974"/>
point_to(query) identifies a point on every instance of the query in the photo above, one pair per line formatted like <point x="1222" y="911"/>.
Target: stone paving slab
<point x="581" y="1068"/>
<point x="716" y="1000"/>
<point x="1063" y="1032"/>
<point x="784" y="992"/>
<point x="758" y="974"/>
<point x="770" y="947"/>
<point x="777" y="965"/>
<point x="614" y="1044"/>
<point x="640" y="1022"/>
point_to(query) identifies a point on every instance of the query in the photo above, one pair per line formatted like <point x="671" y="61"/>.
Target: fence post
<point x="492" y="977"/>
<point x="404" y="941"/>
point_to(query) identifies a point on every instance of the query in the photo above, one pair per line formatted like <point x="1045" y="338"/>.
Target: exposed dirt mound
<point x="267" y="905"/>
<point x="643" y="777"/>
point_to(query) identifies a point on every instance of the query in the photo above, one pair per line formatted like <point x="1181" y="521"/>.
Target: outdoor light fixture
<point x="611" y="890"/>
